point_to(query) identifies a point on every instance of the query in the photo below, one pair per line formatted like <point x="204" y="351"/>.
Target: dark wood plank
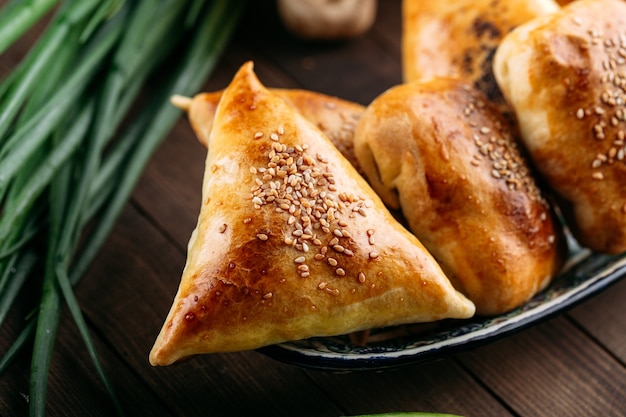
<point x="603" y="317"/>
<point x="74" y="388"/>
<point x="551" y="369"/>
<point x="388" y="27"/>
<point x="441" y="387"/>
<point x="169" y="190"/>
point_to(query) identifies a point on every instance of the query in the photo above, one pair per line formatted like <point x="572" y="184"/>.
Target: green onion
<point x="67" y="166"/>
<point x="18" y="16"/>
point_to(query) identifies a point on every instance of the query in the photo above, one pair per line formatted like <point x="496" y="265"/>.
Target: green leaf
<point x="19" y="16"/>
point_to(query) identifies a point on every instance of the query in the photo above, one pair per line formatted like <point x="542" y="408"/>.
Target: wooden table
<point x="570" y="365"/>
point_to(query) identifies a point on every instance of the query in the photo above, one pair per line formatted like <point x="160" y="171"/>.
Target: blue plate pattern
<point x="585" y="274"/>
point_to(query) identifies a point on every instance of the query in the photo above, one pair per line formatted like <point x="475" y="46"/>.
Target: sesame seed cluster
<point x="496" y="147"/>
<point x="609" y="114"/>
<point x="302" y="189"/>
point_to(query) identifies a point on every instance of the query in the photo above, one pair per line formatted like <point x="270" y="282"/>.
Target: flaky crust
<point x="564" y="76"/>
<point x="439" y="151"/>
<point x="336" y="117"/>
<point x="457" y="39"/>
<point x="319" y="256"/>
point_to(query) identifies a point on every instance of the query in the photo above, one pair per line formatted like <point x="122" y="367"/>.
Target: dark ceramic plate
<point x="585" y="275"/>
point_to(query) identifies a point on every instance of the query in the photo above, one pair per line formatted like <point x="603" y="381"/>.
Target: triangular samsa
<point x="336" y="118"/>
<point x="291" y="242"/>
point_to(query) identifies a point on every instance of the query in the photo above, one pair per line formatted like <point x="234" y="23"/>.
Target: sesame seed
<point x="340" y="272"/>
<point x="222" y="228"/>
<point x="580" y="113"/>
<point x="295" y="185"/>
<point x="322" y="285"/>
<point x="258" y="135"/>
<point x="268" y="295"/>
<point x="374" y="255"/>
<point x="332" y="261"/>
<point x="361" y="277"/>
<point x="338" y="248"/>
<point x="609" y="111"/>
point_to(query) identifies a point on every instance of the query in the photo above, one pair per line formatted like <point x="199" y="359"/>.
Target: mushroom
<point x="327" y="19"/>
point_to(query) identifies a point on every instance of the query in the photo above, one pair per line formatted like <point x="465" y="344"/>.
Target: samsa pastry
<point x="291" y="242"/>
<point x="335" y="117"/>
<point x="442" y="154"/>
<point x="565" y="77"/>
<point x="457" y="39"/>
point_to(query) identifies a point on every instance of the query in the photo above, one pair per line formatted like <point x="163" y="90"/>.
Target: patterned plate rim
<point x="585" y="275"/>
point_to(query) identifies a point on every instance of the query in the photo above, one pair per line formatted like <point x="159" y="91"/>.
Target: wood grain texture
<point x="442" y="386"/>
<point x="571" y="365"/>
<point x="557" y="368"/>
<point x="603" y="318"/>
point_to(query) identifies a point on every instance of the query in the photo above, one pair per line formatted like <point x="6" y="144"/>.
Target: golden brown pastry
<point x="565" y="77"/>
<point x="439" y="151"/>
<point x="336" y="117"/>
<point x="291" y="242"/>
<point x="457" y="39"/>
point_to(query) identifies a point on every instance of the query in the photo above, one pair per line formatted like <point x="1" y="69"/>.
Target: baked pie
<point x="291" y="242"/>
<point x="564" y="75"/>
<point x="442" y="154"/>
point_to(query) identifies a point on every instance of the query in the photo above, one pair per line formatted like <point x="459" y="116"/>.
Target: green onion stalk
<point x="68" y="160"/>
